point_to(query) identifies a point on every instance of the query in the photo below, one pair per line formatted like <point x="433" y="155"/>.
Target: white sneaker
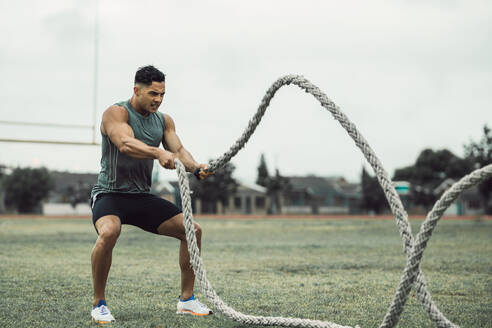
<point x="193" y="306"/>
<point x="101" y="314"/>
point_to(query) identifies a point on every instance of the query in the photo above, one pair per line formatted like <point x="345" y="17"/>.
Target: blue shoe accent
<point x="188" y="299"/>
<point x="101" y="302"/>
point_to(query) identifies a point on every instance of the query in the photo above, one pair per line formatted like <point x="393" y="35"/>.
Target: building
<point x="309" y="195"/>
<point x="321" y="195"/>
<point x="248" y="199"/>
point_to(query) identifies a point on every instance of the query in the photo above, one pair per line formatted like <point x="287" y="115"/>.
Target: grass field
<point x="344" y="271"/>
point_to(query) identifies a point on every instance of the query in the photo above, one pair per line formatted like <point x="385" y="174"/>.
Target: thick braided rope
<point x="401" y="217"/>
<point x="426" y="229"/>
<point x="394" y="201"/>
<point x="206" y="286"/>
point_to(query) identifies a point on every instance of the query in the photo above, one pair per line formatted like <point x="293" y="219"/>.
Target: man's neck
<point x="139" y="110"/>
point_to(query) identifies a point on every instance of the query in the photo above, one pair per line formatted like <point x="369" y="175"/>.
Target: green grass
<point x="343" y="271"/>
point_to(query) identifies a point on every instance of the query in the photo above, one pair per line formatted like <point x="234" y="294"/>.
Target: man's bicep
<point x="115" y="126"/>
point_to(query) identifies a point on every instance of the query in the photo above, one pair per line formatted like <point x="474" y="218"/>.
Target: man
<point x="131" y="134"/>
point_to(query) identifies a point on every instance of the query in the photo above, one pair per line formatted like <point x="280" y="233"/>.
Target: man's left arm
<point x="171" y="142"/>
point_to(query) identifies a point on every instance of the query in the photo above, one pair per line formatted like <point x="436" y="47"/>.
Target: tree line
<point x="431" y="168"/>
<point x="25" y="188"/>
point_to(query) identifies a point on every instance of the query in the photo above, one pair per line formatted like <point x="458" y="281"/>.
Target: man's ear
<point x="136" y="90"/>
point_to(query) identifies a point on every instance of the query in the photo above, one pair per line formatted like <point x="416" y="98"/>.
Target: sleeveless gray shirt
<point x="121" y="173"/>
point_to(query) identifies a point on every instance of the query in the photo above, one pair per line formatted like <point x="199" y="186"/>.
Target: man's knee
<point x="109" y="231"/>
<point x="110" y="236"/>
<point x="198" y="230"/>
<point x="175" y="227"/>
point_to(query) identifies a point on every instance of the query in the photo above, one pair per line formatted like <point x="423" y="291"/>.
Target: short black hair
<point x="148" y="74"/>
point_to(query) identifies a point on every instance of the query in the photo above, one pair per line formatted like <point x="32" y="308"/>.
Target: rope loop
<point x="413" y="248"/>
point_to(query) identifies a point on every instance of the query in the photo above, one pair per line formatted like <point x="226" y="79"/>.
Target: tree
<point x="26" y="187"/>
<point x="263" y="175"/>
<point x="218" y="187"/>
<point x="430" y="169"/>
<point x="480" y="155"/>
<point x="2" y="171"/>
<point x="373" y="198"/>
<point x="275" y="187"/>
<point x="2" y="195"/>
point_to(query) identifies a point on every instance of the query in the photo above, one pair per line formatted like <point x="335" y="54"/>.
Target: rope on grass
<point x="412" y="267"/>
<point x="412" y="274"/>
<point x="206" y="286"/>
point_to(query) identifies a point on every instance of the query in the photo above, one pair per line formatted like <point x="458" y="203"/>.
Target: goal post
<point x="51" y="125"/>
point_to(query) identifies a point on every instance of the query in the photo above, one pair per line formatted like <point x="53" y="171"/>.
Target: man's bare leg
<point x="109" y="228"/>
<point x="174" y="227"/>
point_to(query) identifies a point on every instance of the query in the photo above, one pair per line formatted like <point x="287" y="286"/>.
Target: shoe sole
<point x="192" y="313"/>
<point x="101" y="322"/>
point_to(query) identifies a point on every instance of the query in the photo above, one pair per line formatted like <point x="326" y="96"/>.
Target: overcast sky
<point x="410" y="75"/>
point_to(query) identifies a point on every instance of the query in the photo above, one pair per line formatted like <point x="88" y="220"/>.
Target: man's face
<point x="149" y="98"/>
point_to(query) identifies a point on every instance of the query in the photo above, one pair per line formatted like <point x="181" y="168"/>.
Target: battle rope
<point x="414" y="251"/>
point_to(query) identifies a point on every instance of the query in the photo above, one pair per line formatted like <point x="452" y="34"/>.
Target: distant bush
<point x="25" y="188"/>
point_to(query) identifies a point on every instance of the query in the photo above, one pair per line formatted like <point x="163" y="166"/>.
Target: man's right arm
<point x="115" y="126"/>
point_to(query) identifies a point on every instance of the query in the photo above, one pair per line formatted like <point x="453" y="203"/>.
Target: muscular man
<point x="132" y="131"/>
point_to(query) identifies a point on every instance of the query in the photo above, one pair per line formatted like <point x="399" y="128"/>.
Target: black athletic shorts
<point x="145" y="211"/>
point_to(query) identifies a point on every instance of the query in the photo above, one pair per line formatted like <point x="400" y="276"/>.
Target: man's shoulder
<point x="117" y="110"/>
<point x="121" y="106"/>
<point x="168" y="121"/>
